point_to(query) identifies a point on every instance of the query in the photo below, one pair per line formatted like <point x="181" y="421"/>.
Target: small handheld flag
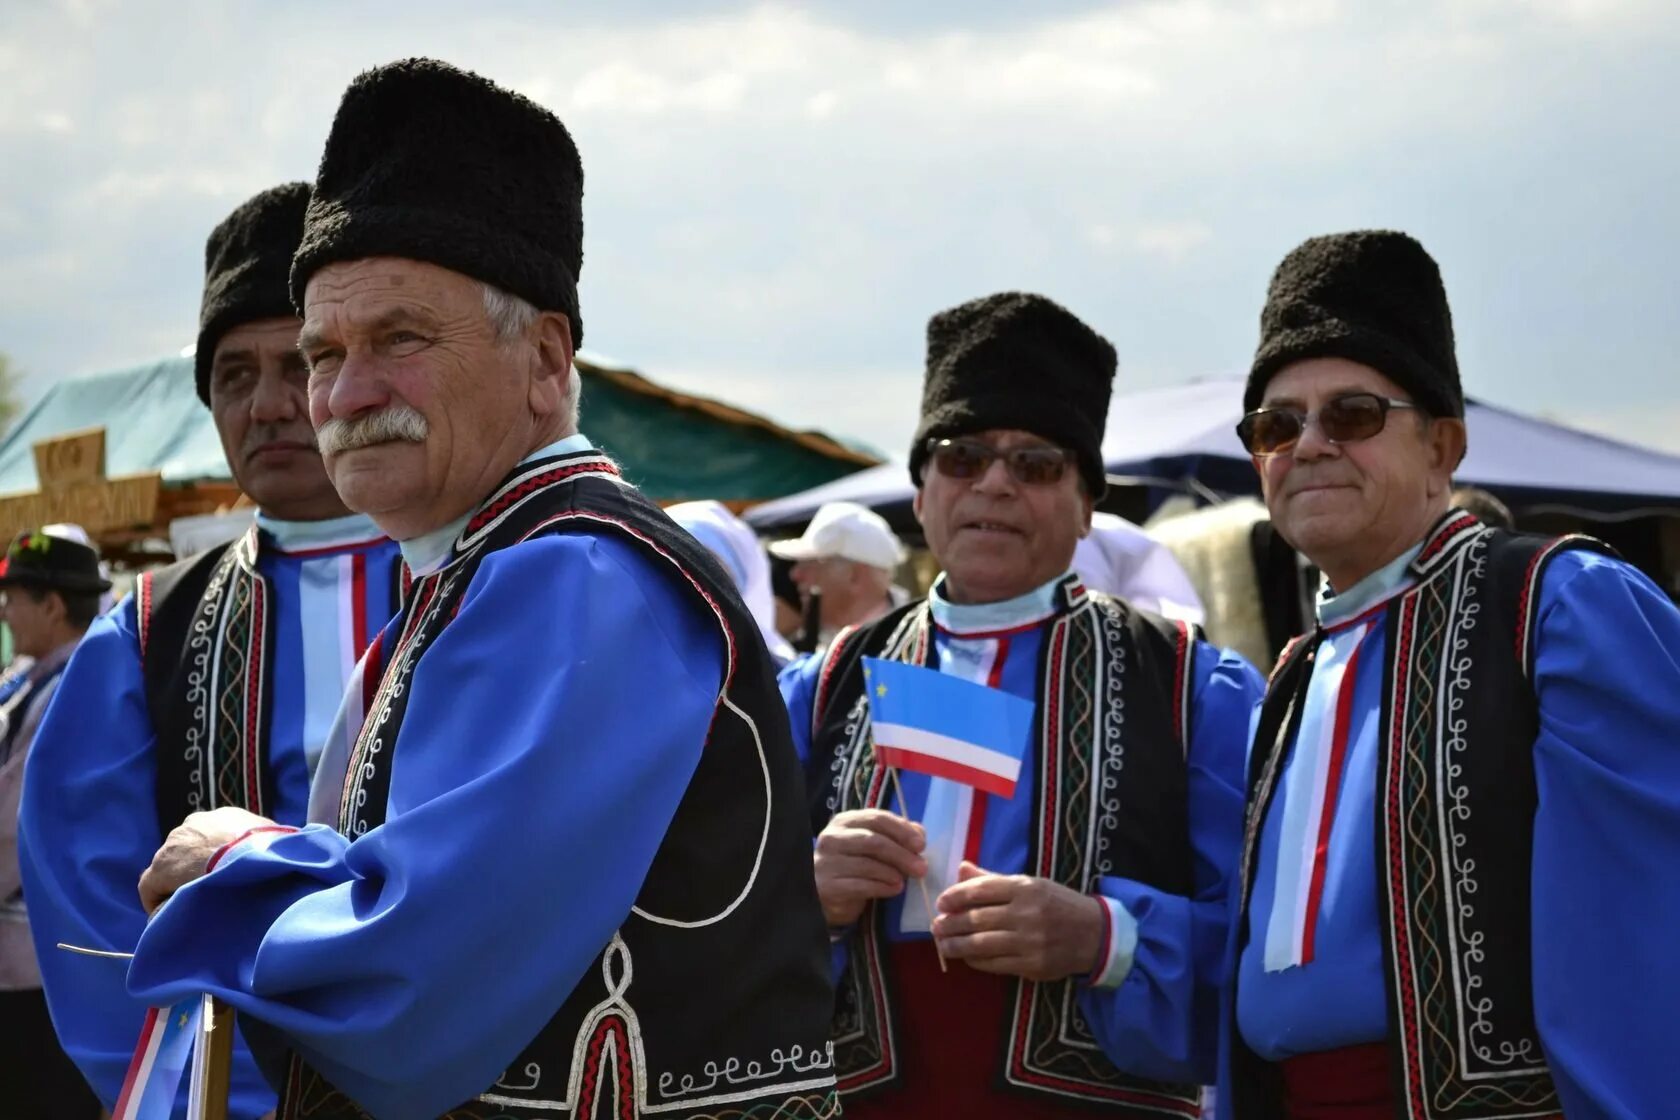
<point x="154" y="1073"/>
<point x="937" y="724"/>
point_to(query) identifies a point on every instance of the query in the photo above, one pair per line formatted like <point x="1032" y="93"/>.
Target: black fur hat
<point x="246" y="262"/>
<point x="1374" y="297"/>
<point x="1016" y="360"/>
<point x="436" y="164"/>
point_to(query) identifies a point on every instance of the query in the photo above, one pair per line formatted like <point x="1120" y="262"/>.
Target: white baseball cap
<point x="848" y="531"/>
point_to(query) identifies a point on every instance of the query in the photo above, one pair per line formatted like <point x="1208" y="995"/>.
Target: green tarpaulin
<point x="672" y="445"/>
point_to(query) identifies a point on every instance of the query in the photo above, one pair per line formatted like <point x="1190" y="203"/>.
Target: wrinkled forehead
<point x="355" y="294"/>
<point x="1307" y="384"/>
<point x="258" y="338"/>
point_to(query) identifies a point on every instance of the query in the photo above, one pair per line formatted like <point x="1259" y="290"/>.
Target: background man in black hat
<point x="1082" y="917"/>
<point x="570" y="872"/>
<point x="271" y="625"/>
<point x="49" y="594"/>
<point x="1457" y="883"/>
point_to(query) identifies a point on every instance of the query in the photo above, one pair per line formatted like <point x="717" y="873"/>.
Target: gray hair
<point x="510" y="317"/>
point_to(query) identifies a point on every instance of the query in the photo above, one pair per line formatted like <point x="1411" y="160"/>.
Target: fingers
<point x="988" y="945"/>
<point x="154" y="891"/>
<point x="906" y="834"/>
<point x="842" y="868"/>
<point x="962" y="922"/>
<point x="984" y="889"/>
<point x="841" y="841"/>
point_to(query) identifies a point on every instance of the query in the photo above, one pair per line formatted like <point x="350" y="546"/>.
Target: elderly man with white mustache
<point x="565" y="869"/>
<point x="271" y="625"/>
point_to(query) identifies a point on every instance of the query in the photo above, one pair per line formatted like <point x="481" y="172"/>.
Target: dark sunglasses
<point x="968" y="459"/>
<point x="1346" y="419"/>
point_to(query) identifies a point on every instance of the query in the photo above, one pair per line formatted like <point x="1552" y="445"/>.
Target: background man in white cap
<point x="847" y="553"/>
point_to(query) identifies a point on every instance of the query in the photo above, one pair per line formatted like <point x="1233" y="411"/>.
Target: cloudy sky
<point x="779" y="194"/>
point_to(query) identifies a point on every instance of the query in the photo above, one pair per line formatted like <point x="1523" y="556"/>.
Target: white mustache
<point x="399" y="422"/>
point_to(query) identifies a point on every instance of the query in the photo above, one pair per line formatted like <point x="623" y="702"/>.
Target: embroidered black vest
<point x="206" y="646"/>
<point x="206" y="629"/>
<point x="1113" y="724"/>
<point x="712" y="999"/>
<point x="1455" y="829"/>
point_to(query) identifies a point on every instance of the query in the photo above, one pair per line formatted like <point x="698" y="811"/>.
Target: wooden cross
<point x="74" y="489"/>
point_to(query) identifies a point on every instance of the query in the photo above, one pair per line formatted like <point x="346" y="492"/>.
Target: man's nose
<point x="1312" y="443"/>
<point x="995" y="479"/>
<point x="275" y="401"/>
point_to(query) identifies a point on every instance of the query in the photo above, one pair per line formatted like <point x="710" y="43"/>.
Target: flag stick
<point x="212" y="1073"/>
<point x="904" y="811"/>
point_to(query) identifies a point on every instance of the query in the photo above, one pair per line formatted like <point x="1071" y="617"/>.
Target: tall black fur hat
<point x="1372" y="296"/>
<point x="246" y="262"/>
<point x="436" y="164"/>
<point x="1016" y="360"/>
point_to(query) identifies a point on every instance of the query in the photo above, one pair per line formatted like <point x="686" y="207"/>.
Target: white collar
<point x="985" y="618"/>
<point x="1334" y="607"/>
<point x="427" y="553"/>
<point x="313" y="536"/>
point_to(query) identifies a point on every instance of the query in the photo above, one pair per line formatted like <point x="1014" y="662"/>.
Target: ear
<point x="553" y="343"/>
<point x="1447" y="441"/>
<point x="1087" y="506"/>
<point x="551" y="361"/>
<point x="916" y="506"/>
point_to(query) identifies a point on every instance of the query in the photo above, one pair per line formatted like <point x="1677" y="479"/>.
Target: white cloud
<point x="1173" y="241"/>
<point x="778" y="197"/>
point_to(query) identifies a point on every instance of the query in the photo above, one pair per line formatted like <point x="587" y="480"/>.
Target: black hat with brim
<point x="45" y="562"/>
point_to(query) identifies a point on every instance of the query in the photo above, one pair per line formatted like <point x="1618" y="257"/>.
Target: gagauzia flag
<point x="933" y="723"/>
<point x="161" y="1056"/>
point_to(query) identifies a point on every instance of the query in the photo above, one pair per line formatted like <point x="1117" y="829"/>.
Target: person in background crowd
<point x="847" y="553"/>
<point x="1083" y="917"/>
<point x="1487" y="509"/>
<point x="742" y="555"/>
<point x="1457" y="892"/>
<point x="1122" y="560"/>
<point x="270" y="626"/>
<point x="50" y="586"/>
<point x="558" y="860"/>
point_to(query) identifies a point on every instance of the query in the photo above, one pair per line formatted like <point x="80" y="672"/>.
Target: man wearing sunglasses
<point x="1082" y="918"/>
<point x="1464" y="804"/>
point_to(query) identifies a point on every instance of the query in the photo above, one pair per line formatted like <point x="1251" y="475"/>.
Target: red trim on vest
<point x="143" y="609"/>
<point x="502" y="502"/>
<point x="1398" y="902"/>
<point x="1443" y="536"/>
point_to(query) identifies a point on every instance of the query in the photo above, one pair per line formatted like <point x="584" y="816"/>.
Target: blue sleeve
<point x="1162" y="1020"/>
<point x="551" y="732"/>
<point x="87" y="829"/>
<point x="1607" y="838"/>
<point x="798" y="682"/>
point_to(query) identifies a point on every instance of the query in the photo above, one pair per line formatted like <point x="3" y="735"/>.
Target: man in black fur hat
<point x="270" y="625"/>
<point x="561" y="866"/>
<point x="1464" y="800"/>
<point x="1081" y="918"/>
